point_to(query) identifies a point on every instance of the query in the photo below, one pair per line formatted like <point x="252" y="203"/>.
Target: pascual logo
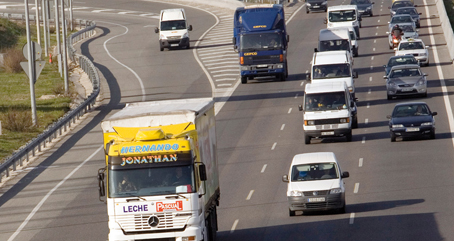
<point x="177" y="206"/>
<point x="247" y="54"/>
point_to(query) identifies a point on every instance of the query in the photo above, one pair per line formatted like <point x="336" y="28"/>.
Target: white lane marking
<point x="224" y="85"/>
<point x="381" y="9"/>
<point x="296" y="96"/>
<point x="376" y="27"/>
<point x="149" y="26"/>
<point x="263" y="168"/>
<point x="234" y="226"/>
<point x="226" y="62"/>
<point x="369" y="91"/>
<point x="364" y="140"/>
<point x="370" y="78"/>
<point x="289" y="110"/>
<point x="372" y="58"/>
<point x="368" y="105"/>
<point x="302" y="83"/>
<point x="120" y="63"/>
<point x="375" y="41"/>
<point x="274" y="146"/>
<point x="220" y="75"/>
<point x="224" y="66"/>
<point x="376" y="34"/>
<point x="366" y="121"/>
<point x="373" y="49"/>
<point x="226" y="79"/>
<point x="249" y="195"/>
<point x="356" y="188"/>
<point x="352" y="218"/>
<point x="146" y="14"/>
<point x="360" y="162"/>
<point x="282" y="127"/>
<point x="225" y="70"/>
<point x="37" y="207"/>
<point x="294" y="13"/>
<point x="126" y="12"/>
<point x="101" y="10"/>
<point x="215" y="49"/>
<point x="441" y="76"/>
<point x="378" y="21"/>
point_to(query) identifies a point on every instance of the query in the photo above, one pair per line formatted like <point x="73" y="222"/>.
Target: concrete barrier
<point x="446" y="26"/>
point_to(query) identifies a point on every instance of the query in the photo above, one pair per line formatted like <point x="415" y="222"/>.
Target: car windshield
<point x="260" y="42"/>
<point x="342" y="16"/>
<point x="331" y="71"/>
<point x="401" y="4"/>
<point x="173" y="25"/>
<point x="401" y="61"/>
<point x="150" y="181"/>
<point x="411" y="110"/>
<point x="401" y="19"/>
<point x="398" y="73"/>
<point x="325" y="101"/>
<point x="411" y="45"/>
<point x="330" y="45"/>
<point x="410" y="11"/>
<point x="314" y="171"/>
<point x="355" y="2"/>
<point x="407" y="28"/>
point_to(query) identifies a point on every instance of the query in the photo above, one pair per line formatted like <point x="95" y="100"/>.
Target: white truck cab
<point x="173" y="29"/>
<point x="339" y="38"/>
<point x="344" y="15"/>
<point x="329" y="110"/>
<point x="332" y="66"/>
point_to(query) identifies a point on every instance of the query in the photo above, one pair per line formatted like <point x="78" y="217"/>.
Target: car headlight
<point x="420" y="82"/>
<point x="335" y="191"/>
<point x="391" y="84"/>
<point x="393" y="12"/>
<point x="344" y="120"/>
<point x="427" y="123"/>
<point x="308" y="4"/>
<point x="185" y="35"/>
<point x="324" y="3"/>
<point x="295" y="193"/>
<point x="397" y="126"/>
<point x="163" y="36"/>
<point x="369" y="8"/>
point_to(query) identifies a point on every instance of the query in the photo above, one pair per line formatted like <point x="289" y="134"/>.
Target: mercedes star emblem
<point x="153" y="221"/>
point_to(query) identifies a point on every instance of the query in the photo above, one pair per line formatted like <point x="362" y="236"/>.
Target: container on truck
<point x="173" y="29"/>
<point x="161" y="178"/>
<point x="260" y="38"/>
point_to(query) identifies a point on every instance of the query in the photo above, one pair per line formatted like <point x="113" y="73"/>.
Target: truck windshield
<point x="331" y="71"/>
<point x="260" y="42"/>
<point x="151" y="181"/>
<point x="325" y="101"/>
<point x="342" y="16"/>
<point x="331" y="45"/>
<point x="314" y="171"/>
<point x="173" y="25"/>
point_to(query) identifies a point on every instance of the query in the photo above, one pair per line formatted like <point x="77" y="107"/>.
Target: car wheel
<point x="307" y="10"/>
<point x="432" y="134"/>
<point x="425" y="94"/>
<point x="390" y="97"/>
<point x="161" y="49"/>
<point x="243" y="79"/>
<point x="371" y="13"/>
<point x="291" y="213"/>
<point x="393" y="137"/>
<point x="342" y="209"/>
<point x="427" y="63"/>
<point x="349" y="136"/>
<point x="307" y="139"/>
<point x="188" y="46"/>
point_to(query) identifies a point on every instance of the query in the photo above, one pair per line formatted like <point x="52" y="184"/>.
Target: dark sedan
<point x="399" y="60"/>
<point x="316" y="5"/>
<point x="413" y="13"/>
<point x="412" y="119"/>
<point x="400" y="4"/>
<point x="365" y="7"/>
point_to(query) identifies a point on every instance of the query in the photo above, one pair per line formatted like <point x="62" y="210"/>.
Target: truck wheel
<point x="161" y="49"/>
<point x="349" y="136"/>
<point x="432" y="134"/>
<point x="212" y="225"/>
<point x="355" y="122"/>
<point x="286" y="70"/>
<point x="281" y="77"/>
<point x="243" y="79"/>
<point x="291" y="213"/>
<point x="188" y="46"/>
<point x="307" y="140"/>
<point x="342" y="209"/>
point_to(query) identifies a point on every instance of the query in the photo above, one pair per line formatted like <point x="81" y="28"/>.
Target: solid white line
<point x="294" y="13"/>
<point x="250" y="195"/>
<point x="352" y="218"/>
<point x="274" y="146"/>
<point x="226" y="79"/>
<point x="441" y="76"/>
<point x="366" y="121"/>
<point x="37" y="207"/>
<point x="356" y="188"/>
<point x="364" y="140"/>
<point x="263" y="168"/>
<point x="116" y="60"/>
<point x="234" y="226"/>
<point x="360" y="162"/>
<point x="289" y="110"/>
<point x="282" y="127"/>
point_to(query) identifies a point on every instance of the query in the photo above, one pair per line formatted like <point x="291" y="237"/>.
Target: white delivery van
<point x="329" y="110"/>
<point x="315" y="183"/>
<point x="333" y="66"/>
<point x="344" y="16"/>
<point x="339" y="38"/>
<point x="173" y="29"/>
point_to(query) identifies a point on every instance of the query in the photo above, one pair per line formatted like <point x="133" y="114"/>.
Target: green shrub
<point x="17" y="120"/>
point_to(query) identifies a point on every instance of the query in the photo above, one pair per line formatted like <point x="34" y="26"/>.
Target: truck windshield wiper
<point x="175" y="194"/>
<point x="136" y="198"/>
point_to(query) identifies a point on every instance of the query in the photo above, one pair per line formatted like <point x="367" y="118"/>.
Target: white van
<point x="173" y="29"/>
<point x="338" y="38"/>
<point x="329" y="111"/>
<point x="333" y="66"/>
<point x="344" y="16"/>
<point x="315" y="183"/>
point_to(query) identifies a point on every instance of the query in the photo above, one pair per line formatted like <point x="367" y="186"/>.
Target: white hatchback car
<point x="415" y="47"/>
<point x="315" y="183"/>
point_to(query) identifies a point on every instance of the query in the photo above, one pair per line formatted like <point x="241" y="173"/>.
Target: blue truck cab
<point x="261" y="40"/>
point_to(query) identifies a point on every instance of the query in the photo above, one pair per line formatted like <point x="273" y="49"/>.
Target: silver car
<point x="406" y="80"/>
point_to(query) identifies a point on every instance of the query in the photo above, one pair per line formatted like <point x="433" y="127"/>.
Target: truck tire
<point x="161" y="48"/>
<point x="286" y="70"/>
<point x="349" y="136"/>
<point x="281" y="77"/>
<point x="355" y="122"/>
<point x="243" y="79"/>
<point x="307" y="139"/>
<point x="212" y="225"/>
<point x="291" y="213"/>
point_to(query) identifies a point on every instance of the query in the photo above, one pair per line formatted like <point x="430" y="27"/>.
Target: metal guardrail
<point x="57" y="128"/>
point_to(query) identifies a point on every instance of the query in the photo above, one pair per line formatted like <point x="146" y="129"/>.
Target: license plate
<point x="328" y="133"/>
<point x="262" y="66"/>
<point x="411" y="129"/>
<point x="407" y="89"/>
<point x="316" y="6"/>
<point x="316" y="199"/>
<point x="174" y="45"/>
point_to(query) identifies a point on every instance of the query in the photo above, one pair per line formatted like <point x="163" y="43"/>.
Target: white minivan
<point x="173" y="29"/>
<point x="315" y="183"/>
<point x="344" y="16"/>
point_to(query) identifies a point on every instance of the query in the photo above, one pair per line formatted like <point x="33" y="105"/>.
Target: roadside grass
<point x="51" y="103"/>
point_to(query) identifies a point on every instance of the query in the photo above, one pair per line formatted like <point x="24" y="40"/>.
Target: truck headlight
<point x="244" y="68"/>
<point x="427" y="123"/>
<point x="280" y="66"/>
<point x="163" y="36"/>
<point x="296" y="193"/>
<point x="185" y="35"/>
<point x="398" y="126"/>
<point x="188" y="238"/>
<point x="344" y="120"/>
<point x="309" y="122"/>
<point x="335" y="191"/>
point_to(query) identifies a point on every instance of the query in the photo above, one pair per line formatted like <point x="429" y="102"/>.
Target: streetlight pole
<point x="31" y="69"/>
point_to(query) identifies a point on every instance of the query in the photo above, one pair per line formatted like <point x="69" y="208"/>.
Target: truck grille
<point x="139" y="222"/>
<point x="174" y="38"/>
<point x="327" y="121"/>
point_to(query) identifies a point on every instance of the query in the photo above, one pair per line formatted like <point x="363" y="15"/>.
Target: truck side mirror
<point x="388" y="117"/>
<point x="285" y="178"/>
<point x="202" y="172"/>
<point x="355" y="74"/>
<point x="101" y="185"/>
<point x="300" y="107"/>
<point x="315" y="50"/>
<point x="156" y="30"/>
<point x="190" y="28"/>
<point x="345" y="174"/>
<point x="325" y="21"/>
<point x="234" y="41"/>
<point x="308" y="77"/>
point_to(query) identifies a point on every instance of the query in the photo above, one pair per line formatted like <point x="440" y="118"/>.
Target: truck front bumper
<point x="330" y="201"/>
<point x="175" y="43"/>
<point x="262" y="70"/>
<point x="118" y="235"/>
